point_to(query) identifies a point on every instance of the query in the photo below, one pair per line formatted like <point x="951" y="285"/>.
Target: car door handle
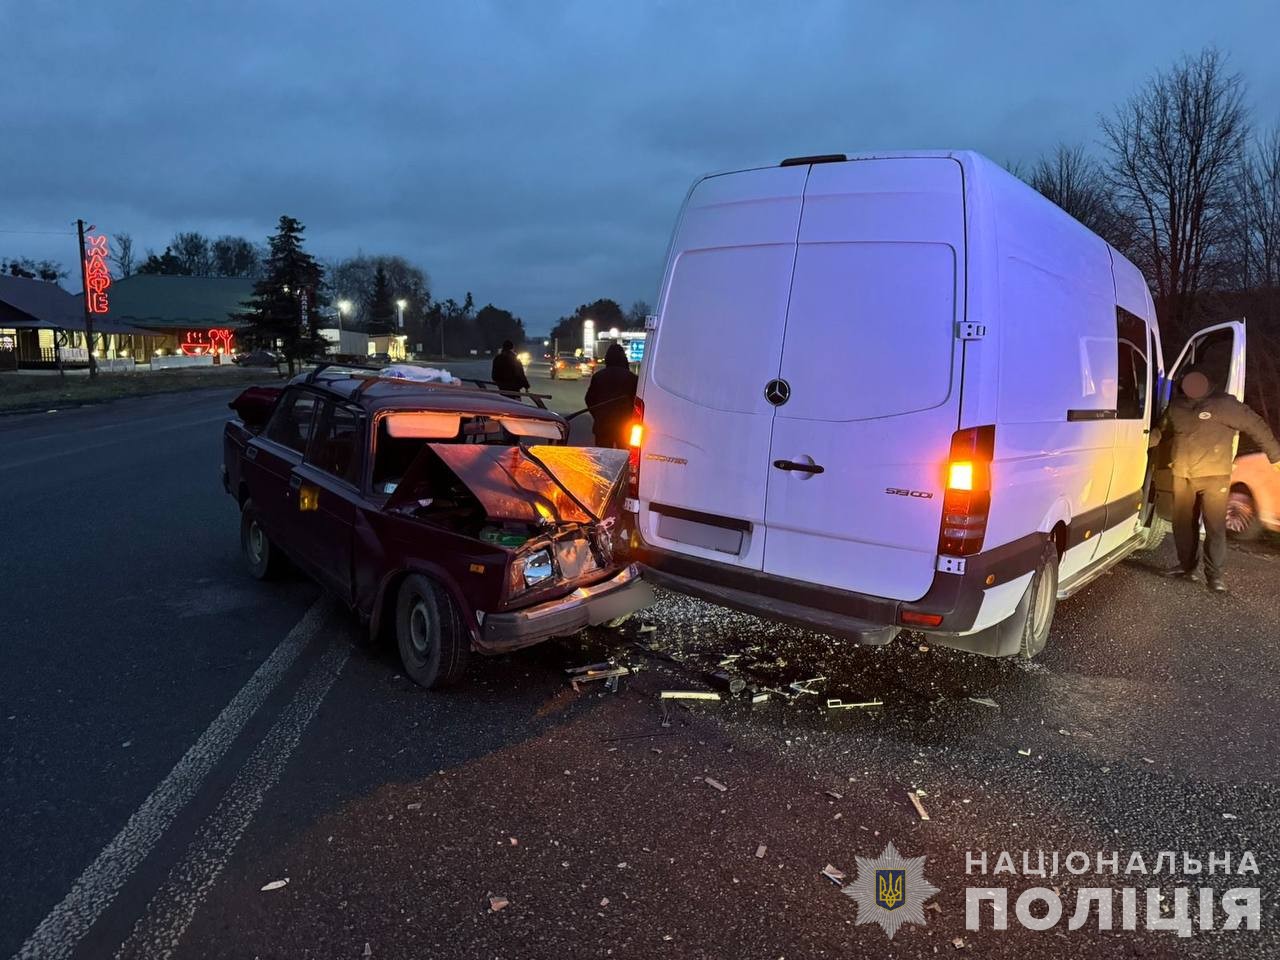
<point x="251" y="453"/>
<point x="799" y="467"/>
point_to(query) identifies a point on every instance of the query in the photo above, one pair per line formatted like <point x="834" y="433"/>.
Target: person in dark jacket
<point x="508" y="371"/>
<point x="610" y="397"/>
<point x="1202" y="426"/>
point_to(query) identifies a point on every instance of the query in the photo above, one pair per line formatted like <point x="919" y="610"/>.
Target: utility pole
<point x="441" y="334"/>
<point x="88" y="316"/>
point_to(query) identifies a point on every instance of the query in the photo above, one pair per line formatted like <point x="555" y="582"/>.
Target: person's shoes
<point x="1179" y="572"/>
<point x="1216" y="584"/>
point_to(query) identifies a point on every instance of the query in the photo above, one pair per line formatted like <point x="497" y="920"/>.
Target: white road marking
<point x="64" y="927"/>
<point x="158" y="932"/>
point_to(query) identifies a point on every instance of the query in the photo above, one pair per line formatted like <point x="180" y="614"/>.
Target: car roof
<point x="375" y="393"/>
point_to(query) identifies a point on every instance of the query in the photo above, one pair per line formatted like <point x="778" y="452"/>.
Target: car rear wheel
<point x="1242" y="515"/>
<point x="262" y="558"/>
<point x="433" y="646"/>
<point x="1041" y="602"/>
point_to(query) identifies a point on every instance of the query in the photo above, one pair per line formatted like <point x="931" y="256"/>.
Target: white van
<point x="898" y="391"/>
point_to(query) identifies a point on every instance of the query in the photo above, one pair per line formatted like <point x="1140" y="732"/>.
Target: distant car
<point x="258" y="358"/>
<point x="568" y="367"/>
<point x="1254" y="504"/>
<point x="379" y="358"/>
<point x="449" y="517"/>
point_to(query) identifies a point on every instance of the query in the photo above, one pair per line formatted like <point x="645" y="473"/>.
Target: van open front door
<point x="871" y="373"/>
<point x="1219" y="353"/>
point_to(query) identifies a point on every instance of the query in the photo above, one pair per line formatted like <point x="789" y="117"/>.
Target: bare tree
<point x="234" y="257"/>
<point x="1176" y="147"/>
<point x="1258" y="215"/>
<point x="123" y="257"/>
<point x="194" y="253"/>
<point x="636" y="315"/>
<point x="1077" y="183"/>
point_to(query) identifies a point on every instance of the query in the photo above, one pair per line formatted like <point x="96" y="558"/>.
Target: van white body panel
<point x="897" y="300"/>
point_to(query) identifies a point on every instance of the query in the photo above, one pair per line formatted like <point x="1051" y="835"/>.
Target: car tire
<point x="429" y="634"/>
<point x="1242" y="514"/>
<point x="1041" y="601"/>
<point x="1152" y="536"/>
<point x="261" y="556"/>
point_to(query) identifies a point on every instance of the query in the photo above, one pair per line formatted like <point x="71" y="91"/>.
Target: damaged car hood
<point x="535" y="484"/>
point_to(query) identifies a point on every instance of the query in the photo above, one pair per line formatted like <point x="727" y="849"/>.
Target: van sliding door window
<point x="1132" y="369"/>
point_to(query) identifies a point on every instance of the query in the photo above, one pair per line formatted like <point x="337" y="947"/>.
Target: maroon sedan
<point x="452" y="516"/>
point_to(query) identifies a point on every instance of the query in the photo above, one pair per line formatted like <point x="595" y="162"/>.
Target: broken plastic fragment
<point x="760" y="851"/>
<point x="715" y="783"/>
<point x="498" y="903"/>
<point x="275" y="885"/>
<point x="834" y="874"/>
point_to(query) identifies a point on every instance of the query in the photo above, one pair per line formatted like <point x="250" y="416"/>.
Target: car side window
<point x="291" y="424"/>
<point x="334" y="444"/>
<point x="1131" y="366"/>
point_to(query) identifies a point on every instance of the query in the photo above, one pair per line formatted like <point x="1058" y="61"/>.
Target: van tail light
<point x="635" y="439"/>
<point x="968" y="498"/>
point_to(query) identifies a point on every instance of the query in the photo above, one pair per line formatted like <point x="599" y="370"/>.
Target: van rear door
<point x="707" y="423"/>
<point x="872" y="377"/>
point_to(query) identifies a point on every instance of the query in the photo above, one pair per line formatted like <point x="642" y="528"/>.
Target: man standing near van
<point x="508" y="371"/>
<point x="610" y="398"/>
<point x="1202" y="426"/>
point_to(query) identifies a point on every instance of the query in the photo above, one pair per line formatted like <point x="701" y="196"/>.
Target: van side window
<point x="1131" y="364"/>
<point x="333" y="446"/>
<point x="291" y="424"/>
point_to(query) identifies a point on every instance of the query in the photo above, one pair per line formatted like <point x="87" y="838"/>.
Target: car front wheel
<point x="429" y="633"/>
<point x="1242" y="515"/>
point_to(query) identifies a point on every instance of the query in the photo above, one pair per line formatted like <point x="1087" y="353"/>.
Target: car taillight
<point x="635" y="438"/>
<point x="968" y="498"/>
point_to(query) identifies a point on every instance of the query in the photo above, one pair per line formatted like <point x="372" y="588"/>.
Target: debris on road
<point x="514" y="841"/>
<point x="914" y="797"/>
<point x="275" y="885"/>
<point x="610" y="671"/>
<point x="800" y="687"/>
<point x="368" y="949"/>
<point x="498" y="903"/>
<point x="666" y="695"/>
<point x="760" y="851"/>
<point x="722" y="680"/>
<point x="604" y="901"/>
<point x="834" y="703"/>
<point x="413" y="806"/>
<point x="715" y="783"/>
<point x="759" y="697"/>
<point x="986" y="702"/>
<point x="958" y="943"/>
<point x="834" y="874"/>
<point x="835" y="794"/>
<point x="1024" y="753"/>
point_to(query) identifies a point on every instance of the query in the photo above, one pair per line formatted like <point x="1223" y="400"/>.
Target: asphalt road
<point x="175" y="737"/>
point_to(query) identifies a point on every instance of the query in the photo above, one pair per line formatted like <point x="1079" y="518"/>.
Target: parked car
<point x="1254" y="504"/>
<point x="258" y="358"/>
<point x="933" y="412"/>
<point x="449" y="517"/>
<point x="568" y="367"/>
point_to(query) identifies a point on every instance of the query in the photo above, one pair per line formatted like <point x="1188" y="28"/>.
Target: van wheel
<point x="433" y="648"/>
<point x="1242" y="514"/>
<point x="262" y="558"/>
<point x="1042" y="600"/>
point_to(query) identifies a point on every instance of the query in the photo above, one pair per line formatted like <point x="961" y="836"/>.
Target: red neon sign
<point x="97" y="278"/>
<point x="199" y="343"/>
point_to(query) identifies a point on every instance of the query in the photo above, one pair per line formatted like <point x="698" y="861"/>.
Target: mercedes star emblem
<point x="777" y="392"/>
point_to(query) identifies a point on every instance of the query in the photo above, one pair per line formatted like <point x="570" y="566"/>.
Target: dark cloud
<point x="533" y="153"/>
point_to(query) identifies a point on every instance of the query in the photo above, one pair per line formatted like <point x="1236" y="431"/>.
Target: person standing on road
<point x="508" y="371"/>
<point x="610" y="396"/>
<point x="1203" y="425"/>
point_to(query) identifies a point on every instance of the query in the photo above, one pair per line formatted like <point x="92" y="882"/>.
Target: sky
<point x="534" y="153"/>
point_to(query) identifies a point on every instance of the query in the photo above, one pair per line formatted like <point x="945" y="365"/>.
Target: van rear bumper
<point x="956" y="598"/>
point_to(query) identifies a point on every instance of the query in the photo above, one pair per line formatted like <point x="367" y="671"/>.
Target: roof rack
<point x="484" y="385"/>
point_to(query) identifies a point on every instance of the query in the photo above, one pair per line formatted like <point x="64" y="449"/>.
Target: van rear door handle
<point x="800" y="467"/>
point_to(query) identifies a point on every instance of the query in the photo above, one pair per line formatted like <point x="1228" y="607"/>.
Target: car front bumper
<point x="618" y="596"/>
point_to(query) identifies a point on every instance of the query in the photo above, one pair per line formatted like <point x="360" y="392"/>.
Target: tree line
<point x="605" y="314"/>
<point x="1187" y="187"/>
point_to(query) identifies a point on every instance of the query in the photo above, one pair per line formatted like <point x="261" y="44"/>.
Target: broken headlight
<point x="538" y="568"/>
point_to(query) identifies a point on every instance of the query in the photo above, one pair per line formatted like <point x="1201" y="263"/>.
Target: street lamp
<point x="400" y="305"/>
<point x="344" y="306"/>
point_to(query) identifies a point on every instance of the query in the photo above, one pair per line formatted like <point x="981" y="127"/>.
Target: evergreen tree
<point x="381" y="310"/>
<point x="284" y="309"/>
